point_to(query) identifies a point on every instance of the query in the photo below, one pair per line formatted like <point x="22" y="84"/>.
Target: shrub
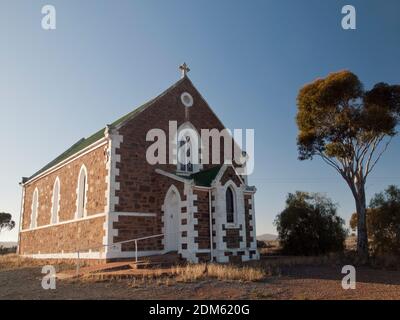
<point x="309" y="225"/>
<point x="383" y="222"/>
<point x="261" y="244"/>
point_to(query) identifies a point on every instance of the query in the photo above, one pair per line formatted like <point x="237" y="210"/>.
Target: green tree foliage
<point x="309" y="225"/>
<point x="6" y="221"/>
<point x="349" y="128"/>
<point x="383" y="220"/>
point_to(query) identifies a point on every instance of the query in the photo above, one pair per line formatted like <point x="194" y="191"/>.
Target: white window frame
<point x="234" y="198"/>
<point x="55" y="205"/>
<point x="191" y="129"/>
<point x="187" y="95"/>
<point x="34" y="208"/>
<point x="81" y="212"/>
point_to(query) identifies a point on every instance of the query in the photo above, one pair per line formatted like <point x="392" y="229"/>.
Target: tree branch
<point x="369" y="168"/>
<point x="331" y="162"/>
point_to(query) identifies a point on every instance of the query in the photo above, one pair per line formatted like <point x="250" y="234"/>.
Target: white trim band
<point x="94" y="216"/>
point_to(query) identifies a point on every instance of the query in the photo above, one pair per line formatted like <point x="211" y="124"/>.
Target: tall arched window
<point x="35" y="206"/>
<point x="55" y="202"/>
<point x="230" y="206"/>
<point x="188" y="147"/>
<point x="82" y="193"/>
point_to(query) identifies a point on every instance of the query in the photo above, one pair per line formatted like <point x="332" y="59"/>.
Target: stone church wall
<point x="68" y="234"/>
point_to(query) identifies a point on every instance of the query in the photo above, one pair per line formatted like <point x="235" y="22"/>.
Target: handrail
<point x="138" y="239"/>
<point x="117" y="243"/>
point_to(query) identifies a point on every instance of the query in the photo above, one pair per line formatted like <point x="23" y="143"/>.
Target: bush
<point x="4" y="250"/>
<point x="309" y="225"/>
<point x="261" y="244"/>
<point x="6" y="221"/>
<point x="385" y="221"/>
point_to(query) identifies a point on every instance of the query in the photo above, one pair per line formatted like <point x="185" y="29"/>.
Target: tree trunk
<point x="362" y="235"/>
<point x="358" y="190"/>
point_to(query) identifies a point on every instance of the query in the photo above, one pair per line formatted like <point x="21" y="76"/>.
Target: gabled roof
<point x="85" y="142"/>
<point x="204" y="178"/>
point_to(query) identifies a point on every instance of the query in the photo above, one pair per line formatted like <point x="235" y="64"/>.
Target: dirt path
<point x="295" y="283"/>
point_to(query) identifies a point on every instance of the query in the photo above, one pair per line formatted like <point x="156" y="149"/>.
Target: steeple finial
<point x="184" y="69"/>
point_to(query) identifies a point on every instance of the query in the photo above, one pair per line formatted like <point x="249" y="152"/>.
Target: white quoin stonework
<point x="220" y="219"/>
<point x="191" y="209"/>
<point x="114" y="142"/>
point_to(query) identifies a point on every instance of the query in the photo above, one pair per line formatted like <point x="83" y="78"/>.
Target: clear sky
<point x="248" y="59"/>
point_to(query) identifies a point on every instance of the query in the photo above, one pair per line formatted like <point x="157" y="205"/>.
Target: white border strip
<point x="94" y="216"/>
<point x="135" y="214"/>
<point x="93" y="255"/>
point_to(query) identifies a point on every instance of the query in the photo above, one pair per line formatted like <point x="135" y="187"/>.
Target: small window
<point x="230" y="206"/>
<point x="55" y="202"/>
<point x="35" y="206"/>
<point x="82" y="196"/>
<point x="187" y="99"/>
<point x="186" y="149"/>
<point x="188" y="153"/>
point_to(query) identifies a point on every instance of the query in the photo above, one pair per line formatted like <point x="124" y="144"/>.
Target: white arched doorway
<point x="172" y="209"/>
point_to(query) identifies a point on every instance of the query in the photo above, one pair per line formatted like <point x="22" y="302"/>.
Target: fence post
<point x="136" y="251"/>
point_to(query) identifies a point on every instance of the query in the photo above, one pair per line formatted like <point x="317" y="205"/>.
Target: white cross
<point x="184" y="69"/>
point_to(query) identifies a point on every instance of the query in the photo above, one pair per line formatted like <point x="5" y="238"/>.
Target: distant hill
<point x="267" y="237"/>
<point x="8" y="244"/>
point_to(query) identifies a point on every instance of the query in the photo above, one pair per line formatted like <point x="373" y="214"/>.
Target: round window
<point x="187" y="99"/>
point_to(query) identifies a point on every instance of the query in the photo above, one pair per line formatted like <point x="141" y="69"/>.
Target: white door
<point x="171" y="220"/>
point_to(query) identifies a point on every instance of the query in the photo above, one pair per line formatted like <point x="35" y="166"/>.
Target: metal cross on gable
<point x="184" y="69"/>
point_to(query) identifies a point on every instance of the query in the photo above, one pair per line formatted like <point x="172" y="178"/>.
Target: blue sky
<point x="248" y="59"/>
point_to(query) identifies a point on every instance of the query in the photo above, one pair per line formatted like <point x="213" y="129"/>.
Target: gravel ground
<point x="305" y="282"/>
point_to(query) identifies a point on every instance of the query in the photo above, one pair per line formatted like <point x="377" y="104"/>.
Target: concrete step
<point x="112" y="266"/>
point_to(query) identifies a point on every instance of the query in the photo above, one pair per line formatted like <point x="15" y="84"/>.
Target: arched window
<point x="188" y="145"/>
<point x="82" y="193"/>
<point x="230" y="206"/>
<point x="35" y="206"/>
<point x="55" y="202"/>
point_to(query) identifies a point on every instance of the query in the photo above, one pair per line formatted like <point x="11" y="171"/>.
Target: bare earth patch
<point x="294" y="282"/>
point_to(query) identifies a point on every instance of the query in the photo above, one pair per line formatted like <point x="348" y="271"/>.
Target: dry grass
<point x="194" y="272"/>
<point x="187" y="273"/>
<point x="14" y="261"/>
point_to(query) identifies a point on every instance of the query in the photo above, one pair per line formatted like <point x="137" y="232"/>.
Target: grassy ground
<point x="271" y="278"/>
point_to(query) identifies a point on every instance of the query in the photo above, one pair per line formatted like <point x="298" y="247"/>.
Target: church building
<point x="104" y="199"/>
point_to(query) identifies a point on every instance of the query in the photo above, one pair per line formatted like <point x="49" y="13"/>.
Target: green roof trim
<point x="78" y="146"/>
<point x="204" y="178"/>
<point x="85" y="142"/>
